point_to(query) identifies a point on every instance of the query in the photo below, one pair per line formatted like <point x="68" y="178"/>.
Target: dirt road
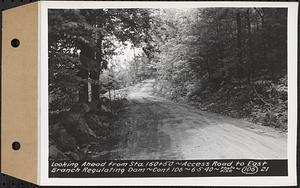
<point x="162" y="129"/>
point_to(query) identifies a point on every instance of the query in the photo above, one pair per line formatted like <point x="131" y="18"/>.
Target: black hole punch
<point x="15" y="43"/>
<point x="16" y="145"/>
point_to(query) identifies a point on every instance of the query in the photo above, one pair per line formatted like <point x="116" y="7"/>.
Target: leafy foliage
<point x="82" y="78"/>
<point x="231" y="61"/>
<point x="81" y="43"/>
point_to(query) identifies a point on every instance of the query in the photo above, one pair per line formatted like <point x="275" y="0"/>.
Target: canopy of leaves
<point x="84" y="39"/>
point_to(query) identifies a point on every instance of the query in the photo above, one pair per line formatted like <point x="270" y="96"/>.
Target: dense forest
<point x="232" y="61"/>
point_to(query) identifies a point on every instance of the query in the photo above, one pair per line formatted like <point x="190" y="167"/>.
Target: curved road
<point x="162" y="129"/>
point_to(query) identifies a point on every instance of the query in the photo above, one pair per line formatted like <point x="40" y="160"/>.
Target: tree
<point x="218" y="46"/>
<point x="88" y="36"/>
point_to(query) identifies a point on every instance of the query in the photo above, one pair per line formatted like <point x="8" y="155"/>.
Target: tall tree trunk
<point x="251" y="62"/>
<point x="266" y="45"/>
<point x="83" y="89"/>
<point x="95" y="86"/>
<point x="220" y="44"/>
<point x="85" y="55"/>
<point x="95" y="74"/>
<point x="239" y="44"/>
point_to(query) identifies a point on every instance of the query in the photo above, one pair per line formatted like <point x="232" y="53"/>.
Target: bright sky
<point x="125" y="54"/>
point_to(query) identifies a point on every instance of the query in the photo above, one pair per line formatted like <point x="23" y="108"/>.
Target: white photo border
<point x="43" y="132"/>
